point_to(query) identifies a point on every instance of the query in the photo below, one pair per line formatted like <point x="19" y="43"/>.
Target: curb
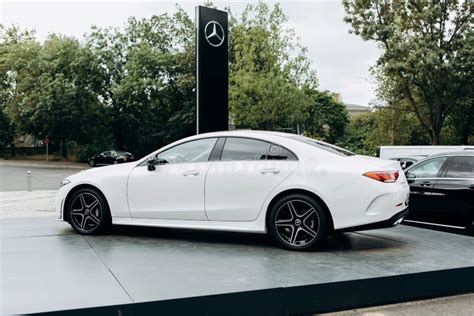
<point x="39" y="165"/>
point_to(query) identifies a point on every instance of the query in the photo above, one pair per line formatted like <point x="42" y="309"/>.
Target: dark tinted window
<point x="244" y="149"/>
<point x="461" y="167"/>
<point x="279" y="153"/>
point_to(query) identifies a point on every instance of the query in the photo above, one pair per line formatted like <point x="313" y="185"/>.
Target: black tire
<point x="88" y="212"/>
<point x="91" y="163"/>
<point x="116" y="162"/>
<point x="303" y="231"/>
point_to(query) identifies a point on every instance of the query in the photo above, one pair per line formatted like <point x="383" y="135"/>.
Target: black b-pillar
<point x="212" y="73"/>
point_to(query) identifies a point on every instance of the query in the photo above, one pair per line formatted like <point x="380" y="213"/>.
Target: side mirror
<point x="151" y="164"/>
<point x="410" y="177"/>
<point x="152" y="161"/>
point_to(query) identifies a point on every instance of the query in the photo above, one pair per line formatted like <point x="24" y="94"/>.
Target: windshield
<point x="322" y="145"/>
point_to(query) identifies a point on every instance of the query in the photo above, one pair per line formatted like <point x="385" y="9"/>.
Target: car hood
<point x="101" y="171"/>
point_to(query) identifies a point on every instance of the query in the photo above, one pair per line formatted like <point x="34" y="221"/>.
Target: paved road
<point x="454" y="305"/>
<point x="13" y="178"/>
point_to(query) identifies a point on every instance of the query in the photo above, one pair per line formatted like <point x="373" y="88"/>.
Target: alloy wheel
<point x="86" y="211"/>
<point x="297" y="223"/>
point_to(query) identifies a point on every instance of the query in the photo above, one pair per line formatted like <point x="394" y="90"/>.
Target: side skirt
<point x="245" y="227"/>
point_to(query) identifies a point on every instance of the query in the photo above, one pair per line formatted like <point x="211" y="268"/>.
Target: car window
<point x="236" y="148"/>
<point x="427" y="169"/>
<point x="461" y="167"/>
<point x="193" y="151"/>
<point x="322" y="145"/>
<point x="106" y="153"/>
<point x="279" y="153"/>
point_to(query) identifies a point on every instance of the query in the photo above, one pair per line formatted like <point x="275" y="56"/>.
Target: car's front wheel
<point x="88" y="212"/>
<point x="297" y="222"/>
<point x="91" y="163"/>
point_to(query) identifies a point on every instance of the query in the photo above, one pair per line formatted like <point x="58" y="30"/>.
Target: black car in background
<point x="110" y="157"/>
<point x="442" y="191"/>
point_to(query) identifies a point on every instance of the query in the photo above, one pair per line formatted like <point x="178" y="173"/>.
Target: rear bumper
<point x="391" y="222"/>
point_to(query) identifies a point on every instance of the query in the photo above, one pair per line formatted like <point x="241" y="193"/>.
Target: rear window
<point x="461" y="167"/>
<point x="236" y="148"/>
<point x="322" y="145"/>
<point x="276" y="152"/>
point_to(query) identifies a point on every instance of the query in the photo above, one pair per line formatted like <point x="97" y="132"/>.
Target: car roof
<point x="246" y="132"/>
<point x="409" y="157"/>
<point x="454" y="153"/>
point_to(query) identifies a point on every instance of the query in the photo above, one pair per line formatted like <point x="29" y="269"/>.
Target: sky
<point x="341" y="60"/>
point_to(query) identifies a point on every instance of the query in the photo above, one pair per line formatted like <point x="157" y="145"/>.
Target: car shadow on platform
<point x="334" y="242"/>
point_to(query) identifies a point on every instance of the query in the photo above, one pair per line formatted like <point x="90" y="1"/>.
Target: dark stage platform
<point x="46" y="267"/>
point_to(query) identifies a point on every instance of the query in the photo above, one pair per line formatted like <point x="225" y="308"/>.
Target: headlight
<point x="64" y="182"/>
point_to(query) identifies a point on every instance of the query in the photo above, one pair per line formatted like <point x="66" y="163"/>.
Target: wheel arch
<point x="305" y="192"/>
<point x="77" y="188"/>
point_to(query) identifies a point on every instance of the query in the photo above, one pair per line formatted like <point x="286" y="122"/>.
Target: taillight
<point x="383" y="176"/>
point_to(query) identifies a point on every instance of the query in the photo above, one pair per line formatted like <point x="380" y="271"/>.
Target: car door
<point x="175" y="189"/>
<point x="421" y="179"/>
<point x="239" y="182"/>
<point x="453" y="193"/>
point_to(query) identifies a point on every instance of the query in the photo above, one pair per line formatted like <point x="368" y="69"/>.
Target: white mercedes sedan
<point x="295" y="188"/>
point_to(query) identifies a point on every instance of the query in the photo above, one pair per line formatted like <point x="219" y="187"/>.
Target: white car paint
<point x="235" y="195"/>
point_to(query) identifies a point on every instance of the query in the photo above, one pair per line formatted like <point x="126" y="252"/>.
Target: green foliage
<point x="148" y="70"/>
<point x="132" y="88"/>
<point x="327" y="117"/>
<point x="269" y="71"/>
<point x="427" y="54"/>
<point x="51" y="88"/>
<point x="355" y="138"/>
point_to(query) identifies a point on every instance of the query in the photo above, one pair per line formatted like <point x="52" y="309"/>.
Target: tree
<point x="426" y="59"/>
<point x="327" y="117"/>
<point x="51" y="87"/>
<point x="269" y="71"/>
<point x="148" y="74"/>
<point x="357" y="133"/>
<point x="462" y="123"/>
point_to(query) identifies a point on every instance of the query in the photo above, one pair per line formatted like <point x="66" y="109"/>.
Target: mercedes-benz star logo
<point x="214" y="34"/>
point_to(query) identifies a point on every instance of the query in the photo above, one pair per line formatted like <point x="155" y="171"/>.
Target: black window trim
<point x="216" y="152"/>
<point x="221" y="150"/>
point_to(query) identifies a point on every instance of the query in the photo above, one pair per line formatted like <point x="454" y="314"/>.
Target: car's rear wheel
<point x="297" y="222"/>
<point x="91" y="163"/>
<point x="88" y="212"/>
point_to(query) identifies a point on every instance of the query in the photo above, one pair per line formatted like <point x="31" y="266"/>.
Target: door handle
<point x="190" y="173"/>
<point x="268" y="171"/>
<point x="425" y="183"/>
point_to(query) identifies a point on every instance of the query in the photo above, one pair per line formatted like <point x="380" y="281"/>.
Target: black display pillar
<point x="212" y="73"/>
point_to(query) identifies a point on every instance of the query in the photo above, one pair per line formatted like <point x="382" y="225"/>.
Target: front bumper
<point x="391" y="222"/>
<point x="59" y="203"/>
